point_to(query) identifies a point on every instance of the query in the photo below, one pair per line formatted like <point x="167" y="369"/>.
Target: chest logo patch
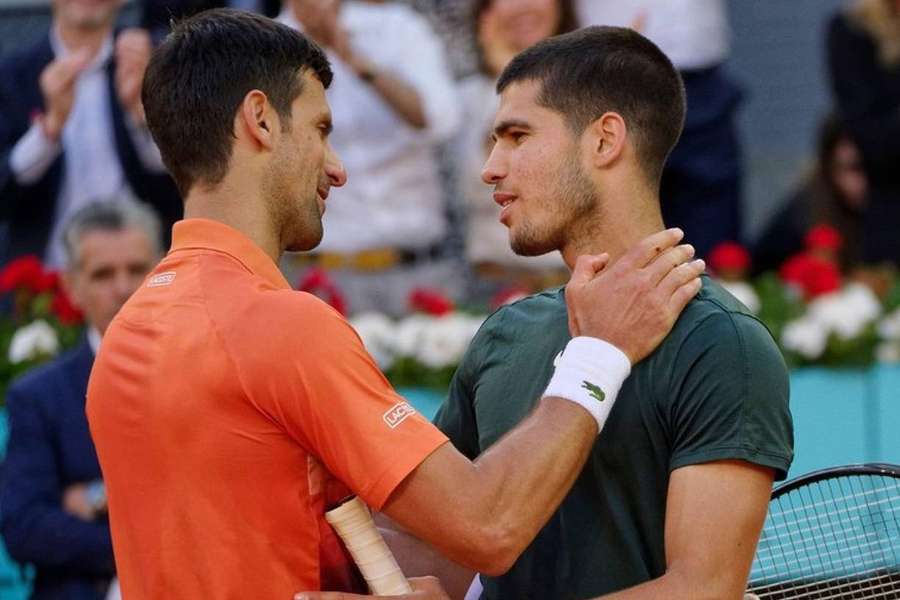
<point x="161" y="279"/>
<point x="594" y="391"/>
<point x="397" y="414"/>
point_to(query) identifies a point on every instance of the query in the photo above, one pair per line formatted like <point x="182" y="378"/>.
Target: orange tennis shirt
<point x="227" y="410"/>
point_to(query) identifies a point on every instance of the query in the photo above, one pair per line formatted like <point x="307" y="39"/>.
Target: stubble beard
<point x="296" y="218"/>
<point x="577" y="198"/>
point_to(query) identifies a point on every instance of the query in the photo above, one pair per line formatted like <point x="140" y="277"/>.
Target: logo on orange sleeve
<point x="397" y="414"/>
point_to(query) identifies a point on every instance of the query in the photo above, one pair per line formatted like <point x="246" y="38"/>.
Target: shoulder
<point x="391" y="14"/>
<point x="717" y="329"/>
<point x="532" y="312"/>
<point x="25" y="64"/>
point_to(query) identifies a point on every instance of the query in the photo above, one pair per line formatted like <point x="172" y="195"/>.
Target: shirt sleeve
<point x="426" y="70"/>
<point x="731" y="394"/>
<point x="32" y="155"/>
<point x="327" y="392"/>
<point x="145" y="147"/>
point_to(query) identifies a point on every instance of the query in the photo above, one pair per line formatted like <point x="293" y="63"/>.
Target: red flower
<point x="430" y="302"/>
<point x="507" y="296"/>
<point x="814" y="275"/>
<point x="317" y="282"/>
<point x="64" y="310"/>
<point x="729" y="256"/>
<point x="823" y="237"/>
<point x="48" y="282"/>
<point x="25" y="272"/>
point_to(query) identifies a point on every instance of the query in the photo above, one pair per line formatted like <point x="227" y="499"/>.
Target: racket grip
<point x="354" y="524"/>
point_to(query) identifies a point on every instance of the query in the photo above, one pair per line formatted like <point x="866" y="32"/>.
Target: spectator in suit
<point x="394" y="102"/>
<point x="863" y="51"/>
<point x="52" y="495"/>
<point x="72" y="128"/>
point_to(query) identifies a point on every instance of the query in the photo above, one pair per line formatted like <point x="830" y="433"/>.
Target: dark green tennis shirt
<point x="715" y="389"/>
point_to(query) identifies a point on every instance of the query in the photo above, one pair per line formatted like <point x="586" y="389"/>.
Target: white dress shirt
<point x="694" y="34"/>
<point x="393" y="196"/>
<point x="92" y="170"/>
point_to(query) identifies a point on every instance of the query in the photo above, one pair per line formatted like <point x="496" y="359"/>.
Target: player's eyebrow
<point x="504" y="126"/>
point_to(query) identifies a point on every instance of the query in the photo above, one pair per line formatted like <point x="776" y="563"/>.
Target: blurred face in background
<point x="109" y="265"/>
<point x="86" y="14"/>
<point x="848" y="176"/>
<point x="520" y="23"/>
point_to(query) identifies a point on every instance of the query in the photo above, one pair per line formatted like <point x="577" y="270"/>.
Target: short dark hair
<point x="567" y="22"/>
<point x="588" y="72"/>
<point x="200" y="74"/>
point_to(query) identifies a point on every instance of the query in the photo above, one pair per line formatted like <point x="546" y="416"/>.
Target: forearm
<point x="399" y="95"/>
<point x="674" y="585"/>
<point x="490" y="510"/>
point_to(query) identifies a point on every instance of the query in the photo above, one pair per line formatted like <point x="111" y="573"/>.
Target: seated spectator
<point x="834" y="194"/>
<point x="54" y="507"/>
<point x="701" y="183"/>
<point x="72" y="128"/>
<point x="503" y="28"/>
<point x="393" y="102"/>
<point x="863" y="48"/>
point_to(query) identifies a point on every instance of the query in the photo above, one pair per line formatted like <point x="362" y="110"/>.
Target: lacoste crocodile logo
<point x="595" y="392"/>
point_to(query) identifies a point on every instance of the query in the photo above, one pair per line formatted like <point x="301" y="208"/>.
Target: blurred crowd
<point x="83" y="187"/>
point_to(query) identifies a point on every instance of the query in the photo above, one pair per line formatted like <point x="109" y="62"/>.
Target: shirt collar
<point x="93" y="338"/>
<point x="206" y="234"/>
<point x="101" y="58"/>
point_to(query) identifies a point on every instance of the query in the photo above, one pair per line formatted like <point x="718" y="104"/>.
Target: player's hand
<point x="57" y="82"/>
<point x="634" y="303"/>
<point x="133" y="49"/>
<point x="424" y="588"/>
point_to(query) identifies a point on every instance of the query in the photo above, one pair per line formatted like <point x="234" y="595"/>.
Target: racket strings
<point x="836" y="538"/>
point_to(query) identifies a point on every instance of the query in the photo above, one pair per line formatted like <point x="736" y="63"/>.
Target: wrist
<point x="50" y="126"/>
<point x="590" y="372"/>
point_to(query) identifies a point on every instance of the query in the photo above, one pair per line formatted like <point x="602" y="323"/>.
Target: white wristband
<point x="589" y="372"/>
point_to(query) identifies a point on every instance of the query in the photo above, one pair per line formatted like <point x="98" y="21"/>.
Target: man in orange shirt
<point x="228" y="410"/>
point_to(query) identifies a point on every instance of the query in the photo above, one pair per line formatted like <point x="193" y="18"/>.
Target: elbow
<point x="495" y="550"/>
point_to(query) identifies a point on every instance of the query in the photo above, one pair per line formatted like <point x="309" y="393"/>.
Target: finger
<point x="650" y="247"/>
<point x="683" y="295"/>
<point x="586" y="268"/>
<point x="681" y="275"/>
<point x="667" y="261"/>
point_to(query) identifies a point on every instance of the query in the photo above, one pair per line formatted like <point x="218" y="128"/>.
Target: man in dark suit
<point x="52" y="497"/>
<point x="72" y="128"/>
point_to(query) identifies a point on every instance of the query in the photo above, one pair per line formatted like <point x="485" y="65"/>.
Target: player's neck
<point x="237" y="209"/>
<point x="621" y="226"/>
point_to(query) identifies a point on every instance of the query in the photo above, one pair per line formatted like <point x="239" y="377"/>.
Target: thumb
<point x="587" y="266"/>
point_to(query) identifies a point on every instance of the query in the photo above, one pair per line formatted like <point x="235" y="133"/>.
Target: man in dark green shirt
<point x="673" y="497"/>
<point x="715" y="390"/>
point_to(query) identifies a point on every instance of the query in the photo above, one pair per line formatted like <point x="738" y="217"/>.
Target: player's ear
<point x="606" y="138"/>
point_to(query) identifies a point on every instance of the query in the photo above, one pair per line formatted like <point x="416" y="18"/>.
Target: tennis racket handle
<point x="354" y="524"/>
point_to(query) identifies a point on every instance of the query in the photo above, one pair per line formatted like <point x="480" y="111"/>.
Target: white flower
<point x="744" y="292"/>
<point x="889" y="327"/>
<point x="409" y="334"/>
<point x="806" y="337"/>
<point x="445" y="340"/>
<point x="846" y="312"/>
<point x="888" y="352"/>
<point x="377" y="334"/>
<point x="32" y="341"/>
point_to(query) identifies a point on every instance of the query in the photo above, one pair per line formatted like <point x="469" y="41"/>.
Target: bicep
<point x="714" y="514"/>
